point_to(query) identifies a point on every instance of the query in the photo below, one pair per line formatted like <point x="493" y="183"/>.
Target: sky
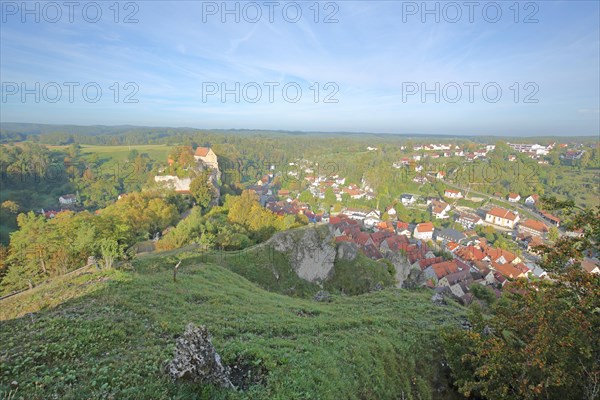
<point x="472" y="68"/>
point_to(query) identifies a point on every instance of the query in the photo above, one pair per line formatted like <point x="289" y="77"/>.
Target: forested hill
<point x="130" y="134"/>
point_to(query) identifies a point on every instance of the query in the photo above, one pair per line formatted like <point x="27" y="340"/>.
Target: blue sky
<point x="374" y="54"/>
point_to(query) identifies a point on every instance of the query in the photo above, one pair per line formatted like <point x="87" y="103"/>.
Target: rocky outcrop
<point x="311" y="252"/>
<point x="197" y="360"/>
<point x="347" y="251"/>
<point x="402" y="267"/>
<point x="322" y="296"/>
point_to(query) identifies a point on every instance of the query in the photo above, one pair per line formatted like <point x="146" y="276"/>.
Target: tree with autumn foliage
<point x="541" y="340"/>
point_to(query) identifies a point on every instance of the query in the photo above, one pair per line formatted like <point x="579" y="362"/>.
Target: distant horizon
<point x="308" y="132"/>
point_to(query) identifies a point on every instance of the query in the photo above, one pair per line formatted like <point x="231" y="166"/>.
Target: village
<point x="452" y="255"/>
<point x="451" y="248"/>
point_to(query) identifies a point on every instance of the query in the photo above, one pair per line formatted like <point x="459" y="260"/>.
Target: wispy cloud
<point x="370" y="54"/>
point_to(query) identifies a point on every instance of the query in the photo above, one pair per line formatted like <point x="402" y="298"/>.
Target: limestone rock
<point x="322" y="295"/>
<point x="438" y="299"/>
<point x="197" y="360"/>
<point x="311" y="255"/>
<point x="347" y="251"/>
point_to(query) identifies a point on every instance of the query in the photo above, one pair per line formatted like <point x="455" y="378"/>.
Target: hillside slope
<point x="113" y="331"/>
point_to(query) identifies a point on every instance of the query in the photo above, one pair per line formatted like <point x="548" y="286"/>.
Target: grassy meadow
<point x="108" y="334"/>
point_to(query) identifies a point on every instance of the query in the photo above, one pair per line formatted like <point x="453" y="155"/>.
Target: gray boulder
<point x="197" y="360"/>
<point x="322" y="295"/>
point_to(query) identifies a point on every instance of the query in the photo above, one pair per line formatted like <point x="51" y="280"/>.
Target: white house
<point x="391" y="211"/>
<point x="453" y="194"/>
<point x="531" y="200"/>
<point x="372" y="218"/>
<point x="514" y="197"/>
<point x="407" y="199"/>
<point x="424" y="231"/>
<point x="501" y="217"/>
<point x="439" y="209"/>
<point x="468" y="221"/>
<point x="67" y="199"/>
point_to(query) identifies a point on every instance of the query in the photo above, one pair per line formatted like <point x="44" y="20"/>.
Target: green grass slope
<point x="108" y="334"/>
<point x="272" y="270"/>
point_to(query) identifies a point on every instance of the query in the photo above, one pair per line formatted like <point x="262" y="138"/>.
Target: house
<point x="533" y="242"/>
<point x="424" y="231"/>
<point x="468" y="221"/>
<point x="49" y="214"/>
<point x="514" y="197"/>
<point x="440" y="175"/>
<point x="453" y="194"/>
<point x="355" y="214"/>
<point x="402" y="229"/>
<point x="591" y="265"/>
<point x="439" y="270"/>
<point x="394" y="244"/>
<point x="501" y="217"/>
<point x="355" y="194"/>
<point x="470" y="253"/>
<point x="407" y="199"/>
<point x="439" y="209"/>
<point x="424" y="263"/>
<point x="456" y="277"/>
<point x="450" y="235"/>
<point x="509" y="271"/>
<point x="500" y="256"/>
<point x="533" y="227"/>
<point x="451" y="247"/>
<point x="536" y="270"/>
<point x="385" y="226"/>
<point x="372" y="252"/>
<point x="207" y="157"/>
<point x="551" y="218"/>
<point x="372" y="218"/>
<point x="67" y="199"/>
<point x="180" y="185"/>
<point x="391" y="211"/>
<point x="531" y="200"/>
<point x="379" y="237"/>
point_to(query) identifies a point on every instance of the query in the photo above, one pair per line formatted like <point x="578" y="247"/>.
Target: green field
<point x="157" y="152"/>
<point x="108" y="334"/>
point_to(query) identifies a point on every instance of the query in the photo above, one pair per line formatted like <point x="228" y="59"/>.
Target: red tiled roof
<point x="426" y="262"/>
<point x="362" y="238"/>
<point x="451" y="246"/>
<point x="401" y="225"/>
<point x="507" y="270"/>
<point x="444" y="268"/>
<point x="335" y="220"/>
<point x="535" y="225"/>
<point x="550" y="216"/>
<point x="470" y="253"/>
<point x="502" y="213"/>
<point x="201" y="151"/>
<point x="495" y="253"/>
<point x="425" y="227"/>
